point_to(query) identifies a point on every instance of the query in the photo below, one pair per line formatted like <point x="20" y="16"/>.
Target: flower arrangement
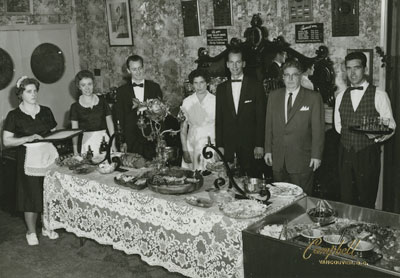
<point x="154" y="109"/>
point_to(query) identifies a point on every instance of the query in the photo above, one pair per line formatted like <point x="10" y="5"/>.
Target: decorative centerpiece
<point x="153" y="113"/>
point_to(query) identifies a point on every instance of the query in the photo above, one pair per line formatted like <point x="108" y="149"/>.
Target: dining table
<point x="163" y="229"/>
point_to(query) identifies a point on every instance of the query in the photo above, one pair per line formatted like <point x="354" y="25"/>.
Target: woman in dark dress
<point x="25" y="124"/>
<point x="90" y="113"/>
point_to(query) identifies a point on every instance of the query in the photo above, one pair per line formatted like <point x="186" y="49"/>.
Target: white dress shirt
<point x="236" y="87"/>
<point x="139" y="91"/>
<point x="382" y="105"/>
<point x="294" y="95"/>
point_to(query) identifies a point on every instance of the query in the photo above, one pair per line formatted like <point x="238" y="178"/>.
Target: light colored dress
<point x="200" y="117"/>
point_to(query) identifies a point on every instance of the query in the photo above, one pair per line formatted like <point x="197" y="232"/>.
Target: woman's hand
<point x="33" y="137"/>
<point x="186" y="157"/>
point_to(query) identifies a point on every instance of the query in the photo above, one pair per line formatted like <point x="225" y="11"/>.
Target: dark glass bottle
<point x="119" y="136"/>
<point x="89" y="153"/>
<point x="103" y="145"/>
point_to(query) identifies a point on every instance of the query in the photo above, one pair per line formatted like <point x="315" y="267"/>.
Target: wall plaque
<point x="300" y="10"/>
<point x="345" y="18"/>
<point x="191" y="20"/>
<point x="222" y="12"/>
<point x="310" y="33"/>
<point x="217" y="37"/>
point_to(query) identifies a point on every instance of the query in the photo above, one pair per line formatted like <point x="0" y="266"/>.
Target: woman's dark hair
<point x="24" y="83"/>
<point x="199" y="73"/>
<point x="83" y="74"/>
<point x="356" y="56"/>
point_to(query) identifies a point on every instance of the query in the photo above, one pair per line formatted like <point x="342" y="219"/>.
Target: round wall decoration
<point x="6" y="69"/>
<point x="48" y="63"/>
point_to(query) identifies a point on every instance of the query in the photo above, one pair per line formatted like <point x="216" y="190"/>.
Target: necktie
<point x="236" y="80"/>
<point x="356" y="88"/>
<point x="137" y="85"/>
<point x="289" y="105"/>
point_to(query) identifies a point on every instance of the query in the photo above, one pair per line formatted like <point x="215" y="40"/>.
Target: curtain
<point x="391" y="179"/>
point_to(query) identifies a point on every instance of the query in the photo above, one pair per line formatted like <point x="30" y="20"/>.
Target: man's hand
<point x="258" y="152"/>
<point x="315" y="163"/>
<point x="382" y="138"/>
<point x="268" y="159"/>
<point x="186" y="157"/>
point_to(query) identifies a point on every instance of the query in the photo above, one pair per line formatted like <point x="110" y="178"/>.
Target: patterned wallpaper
<point x="169" y="56"/>
<point x="44" y="12"/>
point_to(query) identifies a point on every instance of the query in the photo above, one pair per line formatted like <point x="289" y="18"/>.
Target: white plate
<point x="362" y="246"/>
<point x="334" y="239"/>
<point x="312" y="233"/>
<point x="243" y="209"/>
<point x="284" y="189"/>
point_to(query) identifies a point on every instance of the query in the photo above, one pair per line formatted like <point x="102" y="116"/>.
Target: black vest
<point x="349" y="117"/>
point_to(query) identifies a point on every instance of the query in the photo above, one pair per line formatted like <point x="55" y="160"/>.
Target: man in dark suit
<point x="128" y="95"/>
<point x="274" y="70"/>
<point x="240" y="116"/>
<point x="294" y="130"/>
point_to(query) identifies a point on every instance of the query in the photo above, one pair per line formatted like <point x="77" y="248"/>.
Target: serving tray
<point x="371" y="131"/>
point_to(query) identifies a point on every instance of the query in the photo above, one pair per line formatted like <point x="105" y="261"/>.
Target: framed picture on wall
<point x="119" y="22"/>
<point x="18" y="6"/>
<point x="369" y="70"/>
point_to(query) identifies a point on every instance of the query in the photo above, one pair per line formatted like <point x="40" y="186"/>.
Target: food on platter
<point x="312" y="233"/>
<point x="243" y="209"/>
<point x="199" y="202"/>
<point x="84" y="169"/>
<point x="106" y="168"/>
<point x="70" y="161"/>
<point x="134" y="160"/>
<point x="175" y="180"/>
<point x="134" y="182"/>
<point x="273" y="230"/>
<point x="284" y="189"/>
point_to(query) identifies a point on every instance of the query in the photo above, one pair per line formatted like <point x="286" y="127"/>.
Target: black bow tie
<point x="356" y="88"/>
<point x="137" y="85"/>
<point x="236" y="80"/>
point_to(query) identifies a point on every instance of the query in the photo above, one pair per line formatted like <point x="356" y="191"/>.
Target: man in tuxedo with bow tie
<point x="137" y="89"/>
<point x="359" y="153"/>
<point x="294" y="130"/>
<point x="240" y="117"/>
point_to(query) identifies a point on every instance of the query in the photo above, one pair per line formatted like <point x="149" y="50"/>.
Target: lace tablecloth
<point x="163" y="229"/>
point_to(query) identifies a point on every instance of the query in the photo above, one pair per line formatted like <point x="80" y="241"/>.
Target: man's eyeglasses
<point x="294" y="75"/>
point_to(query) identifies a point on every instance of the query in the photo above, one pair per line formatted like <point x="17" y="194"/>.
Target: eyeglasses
<point x="294" y="75"/>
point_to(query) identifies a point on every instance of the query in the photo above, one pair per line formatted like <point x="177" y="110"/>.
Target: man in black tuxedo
<point x="240" y="116"/>
<point x="128" y="95"/>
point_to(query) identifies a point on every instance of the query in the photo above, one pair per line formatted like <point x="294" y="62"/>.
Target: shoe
<point x="32" y="239"/>
<point x="49" y="233"/>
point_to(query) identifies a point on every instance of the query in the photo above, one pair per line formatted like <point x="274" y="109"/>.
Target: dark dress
<point x="29" y="189"/>
<point x="90" y="119"/>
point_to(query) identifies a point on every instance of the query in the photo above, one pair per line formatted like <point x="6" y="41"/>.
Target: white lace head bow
<point x="22" y="78"/>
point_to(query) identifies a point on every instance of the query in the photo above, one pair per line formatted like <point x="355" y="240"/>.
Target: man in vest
<point x="359" y="153"/>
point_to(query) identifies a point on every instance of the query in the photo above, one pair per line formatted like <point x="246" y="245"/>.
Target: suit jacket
<point x="274" y="71"/>
<point x="245" y="129"/>
<point x="294" y="143"/>
<point x="128" y="118"/>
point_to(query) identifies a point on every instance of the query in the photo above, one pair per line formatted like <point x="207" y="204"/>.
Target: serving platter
<point x="243" y="209"/>
<point x="371" y="131"/>
<point x="134" y="182"/>
<point x="285" y="190"/>
<point x="174" y="181"/>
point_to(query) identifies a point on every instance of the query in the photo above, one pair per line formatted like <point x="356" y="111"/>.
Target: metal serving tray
<point x="265" y="256"/>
